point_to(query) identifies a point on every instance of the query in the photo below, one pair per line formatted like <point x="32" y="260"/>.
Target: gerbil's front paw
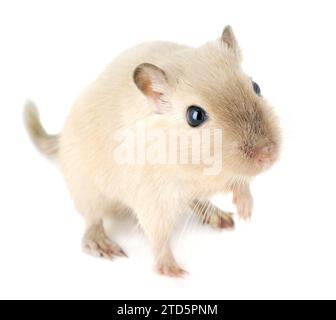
<point x="220" y="220"/>
<point x="213" y="216"/>
<point x="244" y="204"/>
<point x="170" y="269"/>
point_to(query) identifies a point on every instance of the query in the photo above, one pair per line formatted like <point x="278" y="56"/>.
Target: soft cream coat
<point x="152" y="85"/>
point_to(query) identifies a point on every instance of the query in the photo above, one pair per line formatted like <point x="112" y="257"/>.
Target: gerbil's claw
<point x="122" y="253"/>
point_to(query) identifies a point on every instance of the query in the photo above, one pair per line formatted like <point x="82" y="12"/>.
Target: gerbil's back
<point x="115" y="86"/>
<point x="110" y="103"/>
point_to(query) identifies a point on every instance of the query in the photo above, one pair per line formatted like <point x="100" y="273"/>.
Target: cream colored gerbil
<point x="154" y="84"/>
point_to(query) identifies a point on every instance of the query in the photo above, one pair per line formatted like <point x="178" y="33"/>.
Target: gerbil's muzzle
<point x="262" y="156"/>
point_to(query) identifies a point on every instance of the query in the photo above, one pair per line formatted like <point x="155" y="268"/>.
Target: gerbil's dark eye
<point x="256" y="88"/>
<point x="196" y="116"/>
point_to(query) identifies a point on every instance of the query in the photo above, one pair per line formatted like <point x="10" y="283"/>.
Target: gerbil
<point x="165" y="87"/>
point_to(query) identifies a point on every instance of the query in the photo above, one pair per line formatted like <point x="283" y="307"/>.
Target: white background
<point x="50" y="50"/>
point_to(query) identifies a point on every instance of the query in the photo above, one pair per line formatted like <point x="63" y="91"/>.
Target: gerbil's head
<point x="205" y="88"/>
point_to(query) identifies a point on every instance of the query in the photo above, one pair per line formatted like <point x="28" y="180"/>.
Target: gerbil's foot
<point x="170" y="270"/>
<point x="166" y="264"/>
<point x="97" y="243"/>
<point x="220" y="220"/>
<point x="213" y="216"/>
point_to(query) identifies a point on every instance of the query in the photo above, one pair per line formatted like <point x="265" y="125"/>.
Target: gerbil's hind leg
<point x="95" y="207"/>
<point x="158" y="224"/>
<point x="211" y="215"/>
<point x="97" y="243"/>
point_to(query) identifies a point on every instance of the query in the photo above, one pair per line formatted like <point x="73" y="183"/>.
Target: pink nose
<point x="265" y="155"/>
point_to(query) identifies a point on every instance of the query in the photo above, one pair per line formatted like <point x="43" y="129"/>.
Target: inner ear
<point x="230" y="40"/>
<point x="153" y="83"/>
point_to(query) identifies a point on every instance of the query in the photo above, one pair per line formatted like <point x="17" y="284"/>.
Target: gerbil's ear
<point x="153" y="83"/>
<point x="229" y="39"/>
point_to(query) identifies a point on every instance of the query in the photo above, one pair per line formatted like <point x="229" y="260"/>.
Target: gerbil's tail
<point x="45" y="143"/>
